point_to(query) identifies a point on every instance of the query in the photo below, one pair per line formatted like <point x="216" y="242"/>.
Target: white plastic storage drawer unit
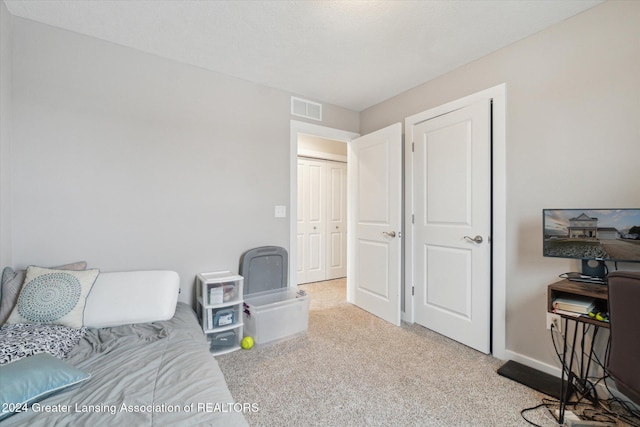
<point x="219" y="308"/>
<point x="272" y="316"/>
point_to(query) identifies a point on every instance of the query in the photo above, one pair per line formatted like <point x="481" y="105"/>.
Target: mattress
<point x="148" y="374"/>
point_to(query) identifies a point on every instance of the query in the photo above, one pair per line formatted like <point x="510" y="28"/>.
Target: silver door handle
<point x="389" y="233"/>
<point x="477" y="239"/>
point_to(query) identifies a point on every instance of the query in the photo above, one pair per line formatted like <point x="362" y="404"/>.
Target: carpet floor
<point x="354" y="369"/>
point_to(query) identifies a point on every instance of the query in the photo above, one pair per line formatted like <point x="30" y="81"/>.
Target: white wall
<point x="131" y="161"/>
<point x="5" y="127"/>
<point x="573" y="140"/>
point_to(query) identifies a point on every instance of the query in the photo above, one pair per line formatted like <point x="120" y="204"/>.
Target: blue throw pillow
<point x="34" y="378"/>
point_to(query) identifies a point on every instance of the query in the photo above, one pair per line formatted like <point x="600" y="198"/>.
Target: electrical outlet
<point x="554" y="320"/>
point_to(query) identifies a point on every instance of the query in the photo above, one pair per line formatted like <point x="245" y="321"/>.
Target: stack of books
<point x="573" y="305"/>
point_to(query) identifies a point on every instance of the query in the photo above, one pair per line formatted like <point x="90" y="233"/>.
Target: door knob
<point x="477" y="239"/>
<point x="389" y="233"/>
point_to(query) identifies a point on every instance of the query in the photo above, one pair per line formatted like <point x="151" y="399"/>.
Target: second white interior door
<point x="452" y="224"/>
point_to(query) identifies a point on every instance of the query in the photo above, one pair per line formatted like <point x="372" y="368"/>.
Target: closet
<point x="322" y="222"/>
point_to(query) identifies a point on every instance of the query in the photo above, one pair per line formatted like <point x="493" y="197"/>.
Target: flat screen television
<point x="593" y="235"/>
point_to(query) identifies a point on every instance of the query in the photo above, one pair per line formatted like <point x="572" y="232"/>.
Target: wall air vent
<point x="303" y="108"/>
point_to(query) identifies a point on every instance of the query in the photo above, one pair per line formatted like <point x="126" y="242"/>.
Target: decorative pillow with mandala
<point x="12" y="282"/>
<point x="24" y="339"/>
<point x="53" y="296"/>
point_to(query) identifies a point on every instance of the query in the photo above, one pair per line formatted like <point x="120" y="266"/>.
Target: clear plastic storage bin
<point x="275" y="315"/>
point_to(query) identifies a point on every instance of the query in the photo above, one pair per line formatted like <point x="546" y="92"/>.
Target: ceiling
<point x="353" y="54"/>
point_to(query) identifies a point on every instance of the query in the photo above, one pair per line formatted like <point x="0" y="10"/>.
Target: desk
<point x="576" y="375"/>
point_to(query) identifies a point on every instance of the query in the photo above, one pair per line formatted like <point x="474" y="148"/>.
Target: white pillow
<point x="122" y="298"/>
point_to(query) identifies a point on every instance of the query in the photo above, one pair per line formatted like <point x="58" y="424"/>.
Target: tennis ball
<point x="247" y="343"/>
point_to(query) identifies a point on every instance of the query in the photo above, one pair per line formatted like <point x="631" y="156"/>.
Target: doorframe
<point x="297" y="127"/>
<point x="498" y="208"/>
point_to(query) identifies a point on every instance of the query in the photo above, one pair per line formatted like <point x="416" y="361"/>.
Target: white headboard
<point x="121" y="298"/>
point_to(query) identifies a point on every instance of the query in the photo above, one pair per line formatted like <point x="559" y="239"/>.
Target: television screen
<point x="600" y="234"/>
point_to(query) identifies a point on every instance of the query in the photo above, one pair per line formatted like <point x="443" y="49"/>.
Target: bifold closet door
<point x="322" y="222"/>
<point x="311" y="234"/>
<point x="336" y="220"/>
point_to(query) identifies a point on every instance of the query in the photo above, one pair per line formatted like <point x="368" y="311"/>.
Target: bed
<point x="149" y="373"/>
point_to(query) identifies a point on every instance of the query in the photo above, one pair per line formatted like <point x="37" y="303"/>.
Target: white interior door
<point x="375" y="215"/>
<point x="452" y="224"/>
<point x="311" y="230"/>
<point x="336" y="220"/>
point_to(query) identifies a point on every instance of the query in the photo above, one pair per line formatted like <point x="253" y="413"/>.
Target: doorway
<point x="306" y="131"/>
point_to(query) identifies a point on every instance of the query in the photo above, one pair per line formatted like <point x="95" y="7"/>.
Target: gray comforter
<point x="150" y="374"/>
